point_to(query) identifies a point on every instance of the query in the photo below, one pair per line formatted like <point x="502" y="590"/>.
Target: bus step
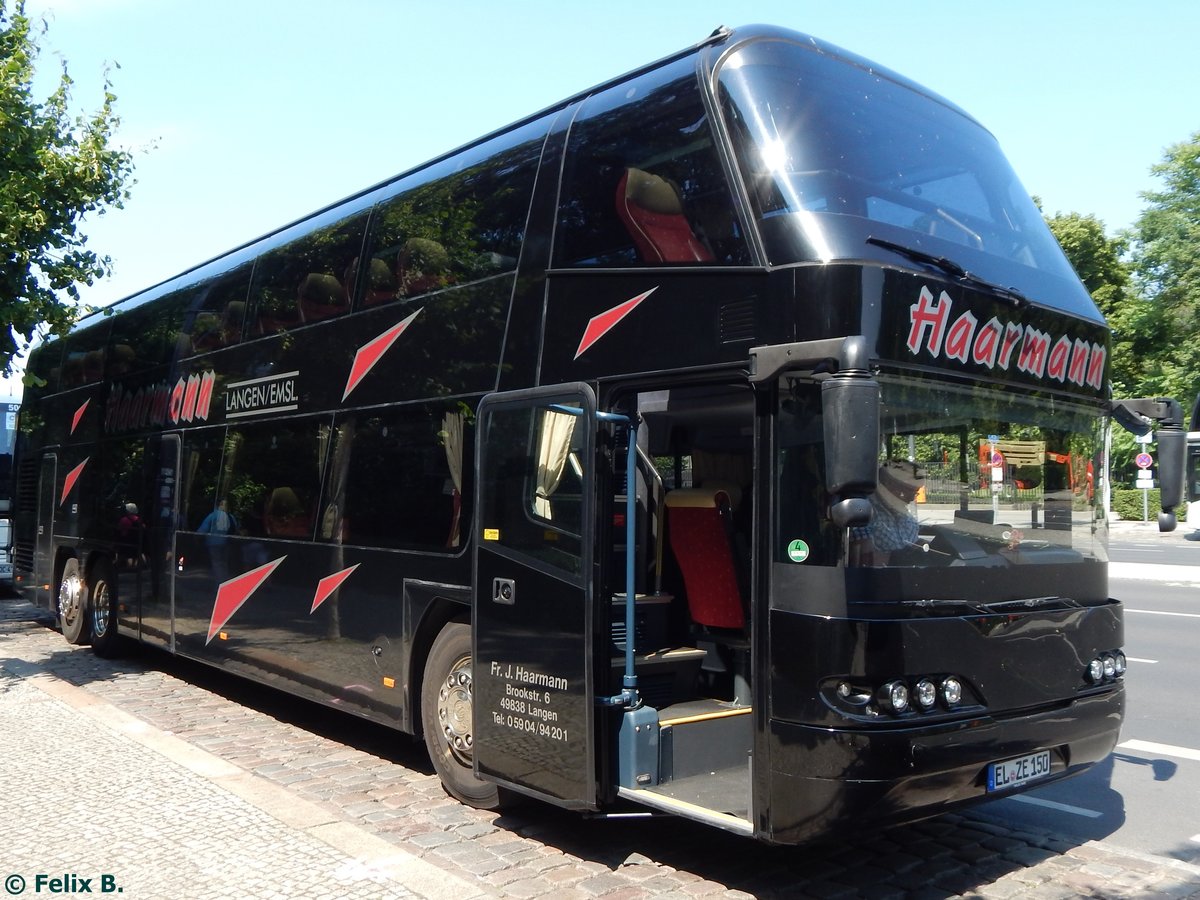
<point x="703" y="737"/>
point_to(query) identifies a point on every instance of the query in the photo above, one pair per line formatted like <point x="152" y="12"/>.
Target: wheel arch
<point x="440" y="611"/>
<point x="94" y="558"/>
<point x="61" y="555"/>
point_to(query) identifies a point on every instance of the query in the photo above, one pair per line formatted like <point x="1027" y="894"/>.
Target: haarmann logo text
<point x="999" y="345"/>
<point x="187" y="400"/>
<point x="69" y="883"/>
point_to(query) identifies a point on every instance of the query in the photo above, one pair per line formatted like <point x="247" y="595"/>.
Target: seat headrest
<point x="731" y="491"/>
<point x="698" y="498"/>
<point x="652" y="193"/>
<point x="322" y="289"/>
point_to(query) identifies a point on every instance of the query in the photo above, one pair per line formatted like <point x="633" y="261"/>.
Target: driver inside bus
<point x="893" y="524"/>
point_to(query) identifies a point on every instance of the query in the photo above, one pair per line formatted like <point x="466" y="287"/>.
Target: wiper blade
<point x="941" y="262"/>
<point x="950" y="267"/>
<point x="997" y="606"/>
<point x="1035" y="603"/>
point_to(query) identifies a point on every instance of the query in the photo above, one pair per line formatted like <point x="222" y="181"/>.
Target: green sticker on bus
<point x="798" y="551"/>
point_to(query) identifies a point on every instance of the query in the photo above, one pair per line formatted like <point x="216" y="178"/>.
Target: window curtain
<point x="554" y="445"/>
<point x="452" y="438"/>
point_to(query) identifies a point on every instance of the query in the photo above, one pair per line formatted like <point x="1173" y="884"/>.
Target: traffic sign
<point x="1144" y="460"/>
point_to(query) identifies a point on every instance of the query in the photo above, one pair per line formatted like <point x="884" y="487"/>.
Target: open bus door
<point x="533" y="693"/>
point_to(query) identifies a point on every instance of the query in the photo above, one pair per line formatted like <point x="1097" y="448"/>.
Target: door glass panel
<point x="533" y="496"/>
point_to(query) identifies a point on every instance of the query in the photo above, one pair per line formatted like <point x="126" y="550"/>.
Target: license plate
<point x="1015" y="772"/>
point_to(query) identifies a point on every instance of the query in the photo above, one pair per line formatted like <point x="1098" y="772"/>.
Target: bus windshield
<point x="969" y="476"/>
<point x="834" y="153"/>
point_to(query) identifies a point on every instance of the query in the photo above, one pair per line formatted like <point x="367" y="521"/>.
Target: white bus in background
<point x="8" y="439"/>
<point x="1192" y="473"/>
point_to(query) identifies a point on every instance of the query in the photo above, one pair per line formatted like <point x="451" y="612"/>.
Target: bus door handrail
<point x="629" y="696"/>
<point x="659" y="494"/>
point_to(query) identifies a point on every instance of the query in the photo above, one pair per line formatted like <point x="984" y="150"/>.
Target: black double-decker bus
<point x="726" y="440"/>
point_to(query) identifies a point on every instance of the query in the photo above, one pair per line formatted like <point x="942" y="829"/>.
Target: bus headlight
<point x="925" y="693"/>
<point x="935" y="696"/>
<point x="1106" y="667"/>
<point x="952" y="691"/>
<point x="893" y="697"/>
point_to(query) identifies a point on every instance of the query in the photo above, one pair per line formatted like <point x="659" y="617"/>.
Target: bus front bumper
<point x="825" y="781"/>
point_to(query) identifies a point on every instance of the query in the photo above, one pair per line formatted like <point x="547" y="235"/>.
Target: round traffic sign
<point x="997" y="459"/>
<point x="1144" y="460"/>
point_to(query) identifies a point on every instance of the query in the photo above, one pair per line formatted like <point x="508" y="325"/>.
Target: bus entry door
<point x="532" y="697"/>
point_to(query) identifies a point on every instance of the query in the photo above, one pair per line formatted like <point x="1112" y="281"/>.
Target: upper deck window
<point x="643" y="184"/>
<point x="308" y="279"/>
<point x="834" y="153"/>
<point x="456" y="222"/>
<point x="218" y="313"/>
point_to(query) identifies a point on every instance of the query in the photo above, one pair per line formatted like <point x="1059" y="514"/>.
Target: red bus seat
<point x="699" y="538"/>
<point x="652" y="212"/>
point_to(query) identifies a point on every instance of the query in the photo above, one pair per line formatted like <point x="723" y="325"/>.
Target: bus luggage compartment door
<point x="533" y="718"/>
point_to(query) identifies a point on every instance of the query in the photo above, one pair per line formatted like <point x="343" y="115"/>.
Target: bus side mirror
<point x="850" y="410"/>
<point x="1172" y="458"/>
<point x="1139" y="415"/>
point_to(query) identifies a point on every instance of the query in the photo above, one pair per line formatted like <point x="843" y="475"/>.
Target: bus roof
<point x="720" y="37"/>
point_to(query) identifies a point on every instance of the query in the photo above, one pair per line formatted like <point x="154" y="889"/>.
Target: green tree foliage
<point x="55" y="168"/>
<point x="1165" y="252"/>
<point x="1098" y="260"/>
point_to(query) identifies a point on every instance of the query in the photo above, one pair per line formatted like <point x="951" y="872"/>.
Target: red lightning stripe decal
<point x="69" y="481"/>
<point x="236" y="591"/>
<point x="330" y="583"/>
<point x="605" y="322"/>
<point x="371" y="352"/>
<point x="79" y="415"/>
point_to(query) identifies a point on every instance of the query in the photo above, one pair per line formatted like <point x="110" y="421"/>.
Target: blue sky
<point x="246" y="115"/>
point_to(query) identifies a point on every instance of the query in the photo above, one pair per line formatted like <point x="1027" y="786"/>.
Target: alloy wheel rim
<point x="70" y="599"/>
<point x="100" y="610"/>
<point x="454" y="711"/>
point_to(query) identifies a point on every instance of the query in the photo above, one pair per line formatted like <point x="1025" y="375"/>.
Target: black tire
<point x="446" y="718"/>
<point x="102" y="611"/>
<point x="72" y="604"/>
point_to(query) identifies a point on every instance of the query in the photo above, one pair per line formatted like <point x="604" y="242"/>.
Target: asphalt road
<point x="1143" y="797"/>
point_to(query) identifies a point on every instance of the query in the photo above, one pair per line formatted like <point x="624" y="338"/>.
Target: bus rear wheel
<point x="102" y="611"/>
<point x="72" y="604"/>
<point x="446" y="700"/>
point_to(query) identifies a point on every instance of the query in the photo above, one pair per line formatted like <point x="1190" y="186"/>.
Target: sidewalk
<point x="143" y="784"/>
<point x="96" y="800"/>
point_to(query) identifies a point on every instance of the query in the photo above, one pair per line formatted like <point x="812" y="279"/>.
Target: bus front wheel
<point x="446" y="698"/>
<point x="102" y="611"/>
<point x="72" y="604"/>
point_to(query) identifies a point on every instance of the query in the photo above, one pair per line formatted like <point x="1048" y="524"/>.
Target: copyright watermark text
<point x="68" y="883"/>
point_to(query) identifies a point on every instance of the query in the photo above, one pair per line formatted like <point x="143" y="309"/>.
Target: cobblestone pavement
<point x="179" y="782"/>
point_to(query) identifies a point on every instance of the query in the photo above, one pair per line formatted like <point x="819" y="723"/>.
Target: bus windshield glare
<point x="836" y="153"/>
